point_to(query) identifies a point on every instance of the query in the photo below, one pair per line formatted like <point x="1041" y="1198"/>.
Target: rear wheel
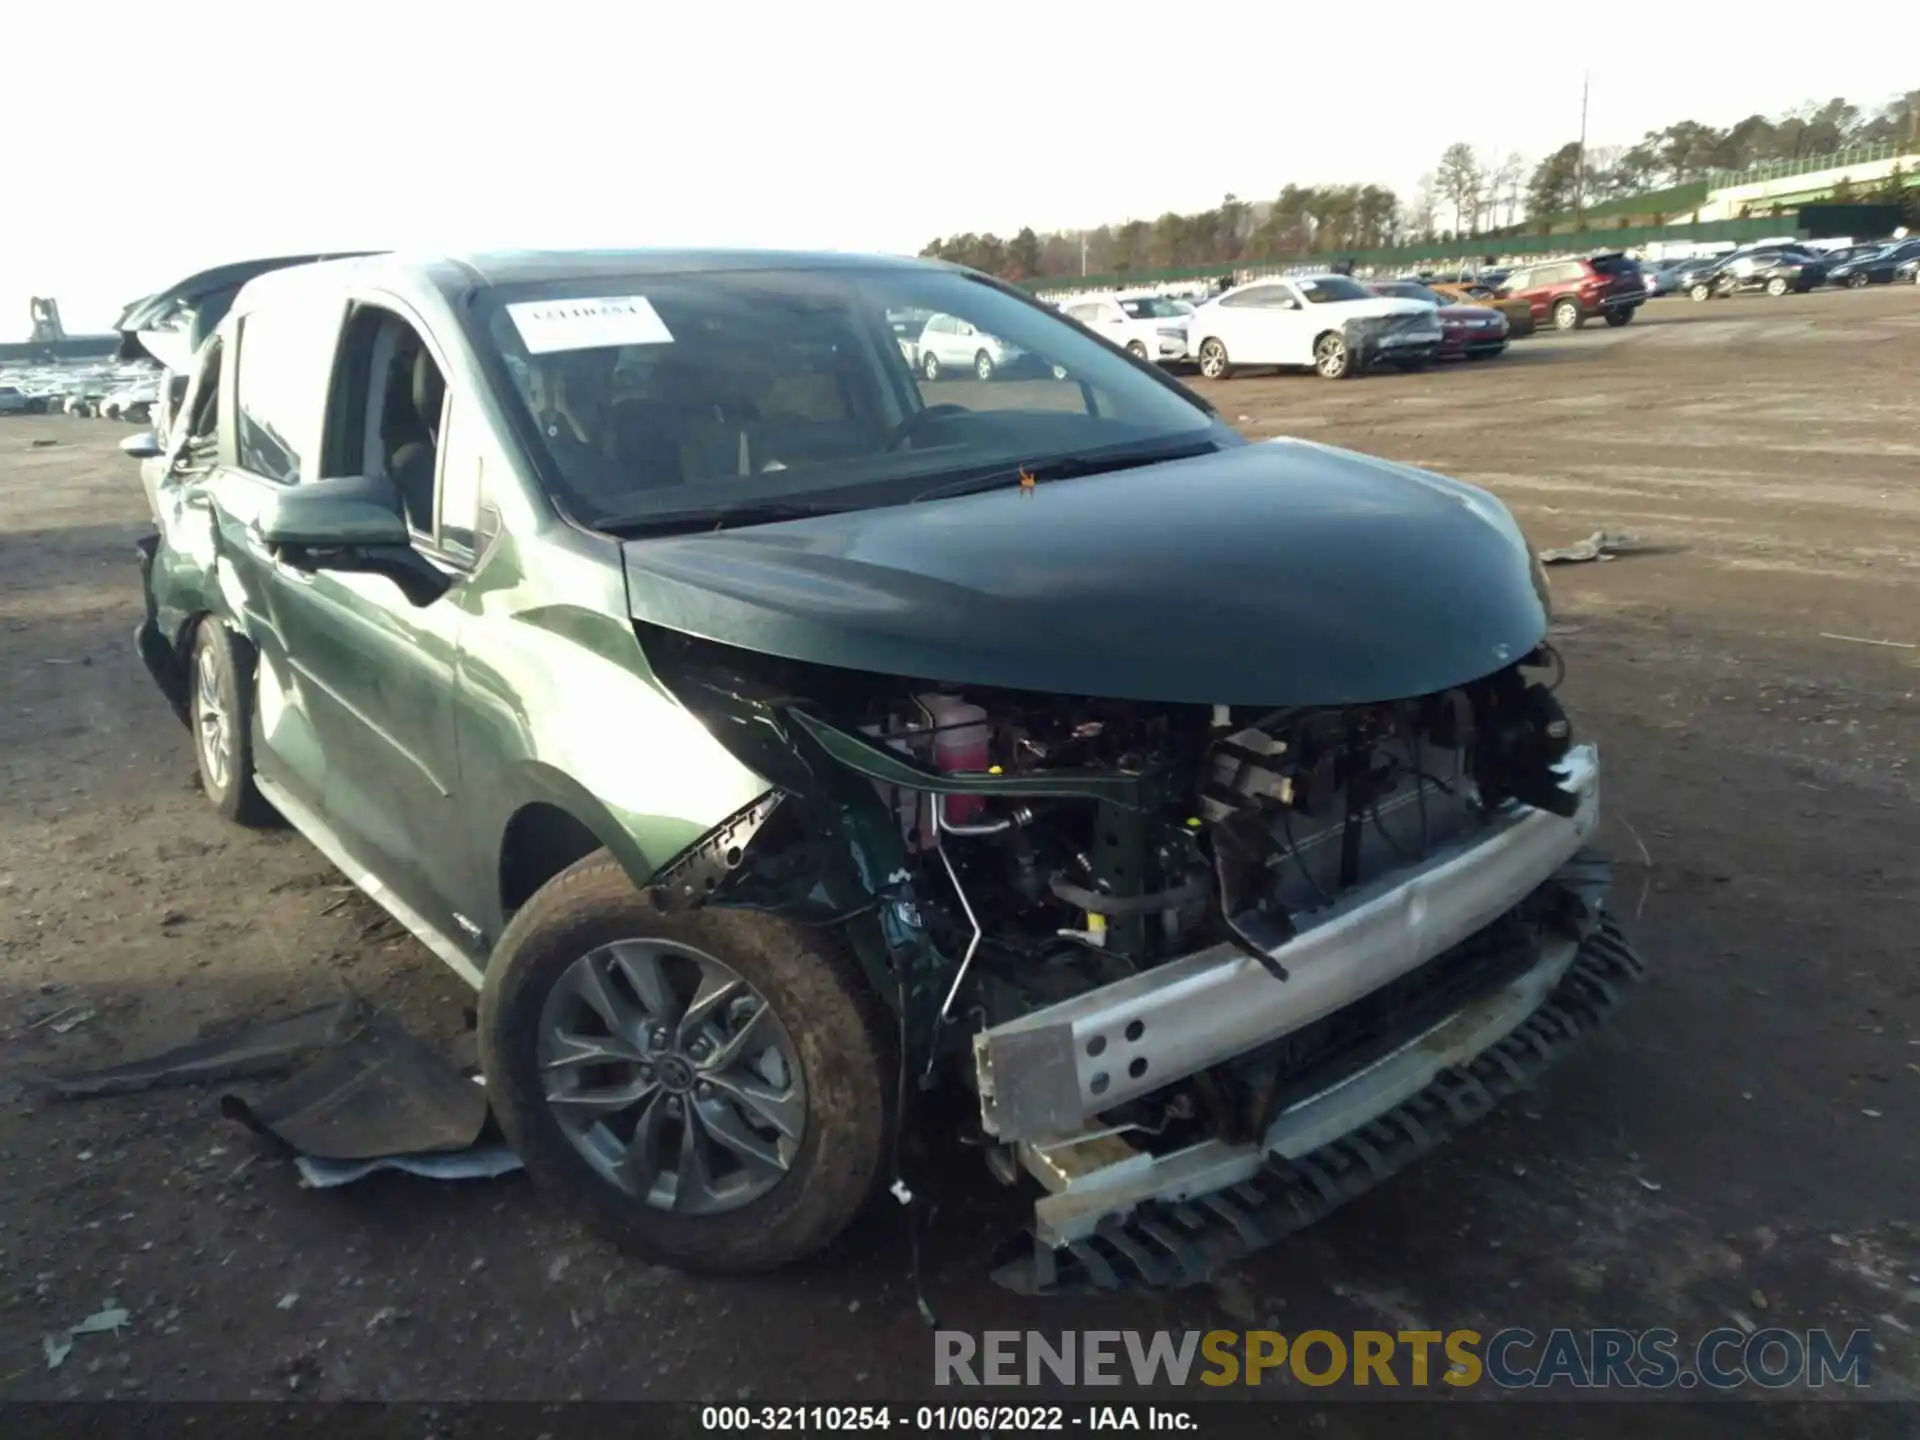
<point x="712" y="1089"/>
<point x="1567" y="316"/>
<point x="1857" y="280"/>
<point x="1332" y="358"/>
<point x="930" y="365"/>
<point x="1213" y="360"/>
<point x="1777" y="286"/>
<point x="983" y="366"/>
<point x="220" y="706"/>
<point x="1617" y="318"/>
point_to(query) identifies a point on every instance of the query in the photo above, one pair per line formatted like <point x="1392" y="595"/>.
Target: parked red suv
<point x="1574" y="291"/>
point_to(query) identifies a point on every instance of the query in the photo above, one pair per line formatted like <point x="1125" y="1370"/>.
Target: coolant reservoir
<point x="960" y="743"/>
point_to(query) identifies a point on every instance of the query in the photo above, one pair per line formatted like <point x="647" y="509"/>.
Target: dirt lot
<point x="1744" y="1141"/>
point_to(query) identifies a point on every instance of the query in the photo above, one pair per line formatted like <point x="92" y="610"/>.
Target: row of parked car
<point x="1335" y="324"/>
<point x="1787" y="268"/>
<point x="88" y="391"/>
<point x="1342" y="326"/>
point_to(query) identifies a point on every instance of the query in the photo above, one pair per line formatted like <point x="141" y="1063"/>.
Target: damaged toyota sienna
<point x="818" y="763"/>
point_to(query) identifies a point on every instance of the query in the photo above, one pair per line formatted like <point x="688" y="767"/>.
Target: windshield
<point x="734" y="390"/>
<point x="1151" y="307"/>
<point x="1322" y="288"/>
<point x="1406" y="290"/>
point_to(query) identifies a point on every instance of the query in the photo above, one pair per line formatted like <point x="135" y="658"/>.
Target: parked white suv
<point x="1148" y="327"/>
<point x="1330" y="322"/>
<point x="947" y="343"/>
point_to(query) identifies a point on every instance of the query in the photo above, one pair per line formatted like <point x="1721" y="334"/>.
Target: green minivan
<point x="803" y="750"/>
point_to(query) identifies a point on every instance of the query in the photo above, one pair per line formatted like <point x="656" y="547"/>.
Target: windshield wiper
<point x="714" y="517"/>
<point x="1067" y="467"/>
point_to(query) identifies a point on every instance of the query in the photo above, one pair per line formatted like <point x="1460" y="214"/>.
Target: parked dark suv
<point x="1573" y="292"/>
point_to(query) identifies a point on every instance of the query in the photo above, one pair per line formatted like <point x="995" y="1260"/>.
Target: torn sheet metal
<point x="383" y="1093"/>
<point x="256" y="1050"/>
<point x="481" y="1162"/>
<point x="1601" y="545"/>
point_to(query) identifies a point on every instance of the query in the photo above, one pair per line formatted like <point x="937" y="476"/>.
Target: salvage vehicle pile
<point x="783" y="735"/>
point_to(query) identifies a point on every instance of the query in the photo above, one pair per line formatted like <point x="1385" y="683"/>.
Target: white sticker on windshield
<point x="588" y="324"/>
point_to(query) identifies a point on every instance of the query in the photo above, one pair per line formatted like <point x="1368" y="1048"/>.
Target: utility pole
<point x="1580" y="163"/>
<point x="1083" y="254"/>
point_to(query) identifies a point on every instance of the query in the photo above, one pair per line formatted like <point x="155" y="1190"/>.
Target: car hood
<point x="1271" y="574"/>
<point x="1464" y="310"/>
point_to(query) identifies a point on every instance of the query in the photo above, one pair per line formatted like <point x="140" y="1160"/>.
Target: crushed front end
<point x="1208" y="971"/>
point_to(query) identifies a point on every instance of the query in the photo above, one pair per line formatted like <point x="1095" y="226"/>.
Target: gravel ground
<point x="1738" y="1147"/>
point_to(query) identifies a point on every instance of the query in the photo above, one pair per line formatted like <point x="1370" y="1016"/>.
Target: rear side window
<point x="1613" y="265"/>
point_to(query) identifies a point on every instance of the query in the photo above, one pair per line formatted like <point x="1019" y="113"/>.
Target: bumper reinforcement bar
<point x="1164" y="1246"/>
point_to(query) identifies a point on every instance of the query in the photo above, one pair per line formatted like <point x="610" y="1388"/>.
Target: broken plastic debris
<point x="1646" y="1184"/>
<point x="900" y="1192"/>
<point x="481" y="1162"/>
<point x="1601" y="545"/>
<point x="288" y="1300"/>
<point x="102" y="1321"/>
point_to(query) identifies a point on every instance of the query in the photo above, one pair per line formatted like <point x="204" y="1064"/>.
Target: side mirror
<point x="353" y="524"/>
<point x="359" y="511"/>
<point x="144" y="446"/>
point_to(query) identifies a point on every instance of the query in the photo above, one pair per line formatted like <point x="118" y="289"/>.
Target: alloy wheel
<point x="983" y="366"/>
<point x="930" y="365"/>
<point x="672" y="1076"/>
<point x="1213" y="359"/>
<point x="1330" y="357"/>
<point x="210" y="717"/>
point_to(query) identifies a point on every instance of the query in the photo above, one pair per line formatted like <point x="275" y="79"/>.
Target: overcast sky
<point x="147" y="140"/>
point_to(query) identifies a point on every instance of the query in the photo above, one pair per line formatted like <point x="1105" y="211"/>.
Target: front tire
<point x="1332" y="358"/>
<point x="712" y="1090"/>
<point x="930" y="365"/>
<point x="1857" y="280"/>
<point x="1136" y="349"/>
<point x="1567" y="316"/>
<point x="983" y="366"/>
<point x="1699" y="292"/>
<point x="220" y="708"/>
<point x="1776" y="287"/>
<point x="1214" y="364"/>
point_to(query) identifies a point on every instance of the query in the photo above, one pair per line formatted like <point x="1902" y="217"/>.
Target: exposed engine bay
<point x="1031" y="848"/>
<point x="1177" y="952"/>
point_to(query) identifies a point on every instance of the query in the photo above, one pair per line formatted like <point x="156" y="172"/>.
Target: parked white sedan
<point x="1328" y="322"/>
<point x="1148" y="327"/>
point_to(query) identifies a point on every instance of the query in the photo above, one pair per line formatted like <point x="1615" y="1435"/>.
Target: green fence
<point x="1807" y="164"/>
<point x="1504" y="247"/>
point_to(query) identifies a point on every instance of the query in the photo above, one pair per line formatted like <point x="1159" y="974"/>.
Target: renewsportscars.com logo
<point x="1512" y="1359"/>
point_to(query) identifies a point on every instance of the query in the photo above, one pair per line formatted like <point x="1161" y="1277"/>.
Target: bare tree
<point x="1458" y="180"/>
<point x="1505" y="185"/>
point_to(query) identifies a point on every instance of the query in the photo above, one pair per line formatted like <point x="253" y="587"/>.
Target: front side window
<point x="1150" y="307"/>
<point x="279" y="382"/>
<point x="673" y="394"/>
